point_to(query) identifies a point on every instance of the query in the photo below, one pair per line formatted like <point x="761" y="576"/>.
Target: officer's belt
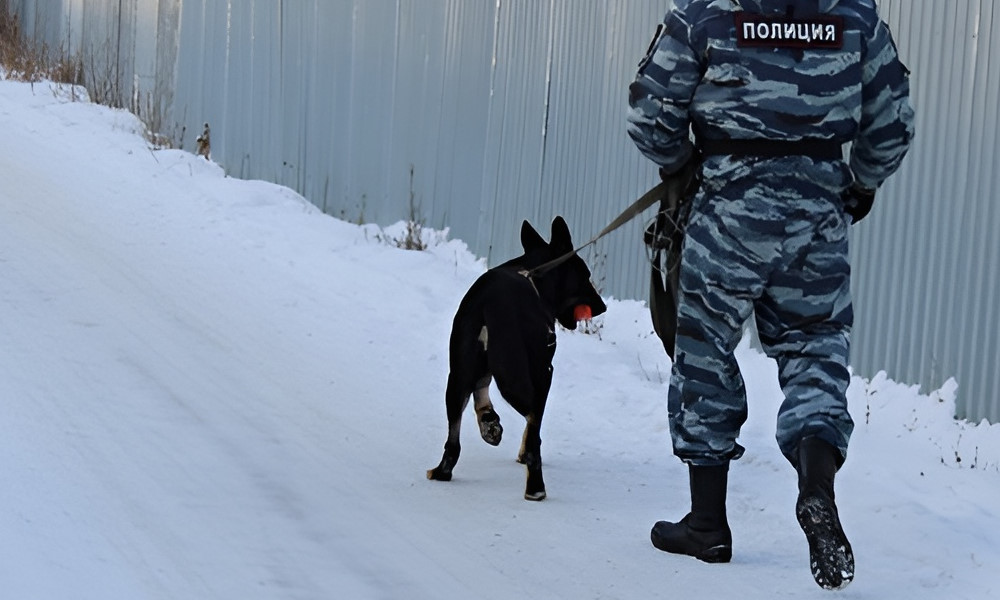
<point x="813" y="148"/>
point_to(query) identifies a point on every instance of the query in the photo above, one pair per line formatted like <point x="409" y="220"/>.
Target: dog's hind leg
<point x="486" y="416"/>
<point x="455" y="402"/>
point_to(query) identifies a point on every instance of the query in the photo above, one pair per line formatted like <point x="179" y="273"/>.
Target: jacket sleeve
<point x="886" y="128"/>
<point x="658" y="120"/>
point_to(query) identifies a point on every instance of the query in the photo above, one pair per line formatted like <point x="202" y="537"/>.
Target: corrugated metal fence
<point x="926" y="261"/>
<point x="476" y="114"/>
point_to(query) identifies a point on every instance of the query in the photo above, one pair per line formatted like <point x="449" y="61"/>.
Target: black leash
<point x="644" y="202"/>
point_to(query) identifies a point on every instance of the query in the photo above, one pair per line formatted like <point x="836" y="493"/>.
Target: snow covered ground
<point x="210" y="390"/>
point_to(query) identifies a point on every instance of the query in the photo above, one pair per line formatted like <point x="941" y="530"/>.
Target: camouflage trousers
<point x="759" y="249"/>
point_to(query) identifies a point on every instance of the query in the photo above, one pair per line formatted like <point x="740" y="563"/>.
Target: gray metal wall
<point x="481" y="113"/>
<point x="926" y="262"/>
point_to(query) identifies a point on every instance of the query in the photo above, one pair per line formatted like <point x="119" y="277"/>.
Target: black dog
<point x="504" y="329"/>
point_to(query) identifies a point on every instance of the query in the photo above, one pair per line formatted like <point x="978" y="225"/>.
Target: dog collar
<point x="530" y="277"/>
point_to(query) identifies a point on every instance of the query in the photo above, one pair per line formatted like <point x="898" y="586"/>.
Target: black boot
<point x="704" y="532"/>
<point x="830" y="557"/>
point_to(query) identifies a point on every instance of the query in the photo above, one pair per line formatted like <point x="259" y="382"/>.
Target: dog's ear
<point x="530" y="240"/>
<point x="561" y="240"/>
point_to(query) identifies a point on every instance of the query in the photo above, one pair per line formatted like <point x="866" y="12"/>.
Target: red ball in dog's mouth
<point x="582" y="312"/>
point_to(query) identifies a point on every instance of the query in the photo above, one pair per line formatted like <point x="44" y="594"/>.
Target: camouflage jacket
<point x="781" y="70"/>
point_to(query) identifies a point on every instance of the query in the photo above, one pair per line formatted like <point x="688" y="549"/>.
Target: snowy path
<point x="210" y="391"/>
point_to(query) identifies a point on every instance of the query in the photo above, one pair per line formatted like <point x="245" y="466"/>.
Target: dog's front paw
<point x="490" y="428"/>
<point x="536" y="496"/>
<point x="535" y="489"/>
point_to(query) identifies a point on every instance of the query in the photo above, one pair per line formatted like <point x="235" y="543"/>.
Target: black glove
<point x="689" y="174"/>
<point x="857" y="202"/>
<point x="666" y="230"/>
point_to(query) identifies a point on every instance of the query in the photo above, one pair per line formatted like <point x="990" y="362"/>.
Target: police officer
<point x="773" y="92"/>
